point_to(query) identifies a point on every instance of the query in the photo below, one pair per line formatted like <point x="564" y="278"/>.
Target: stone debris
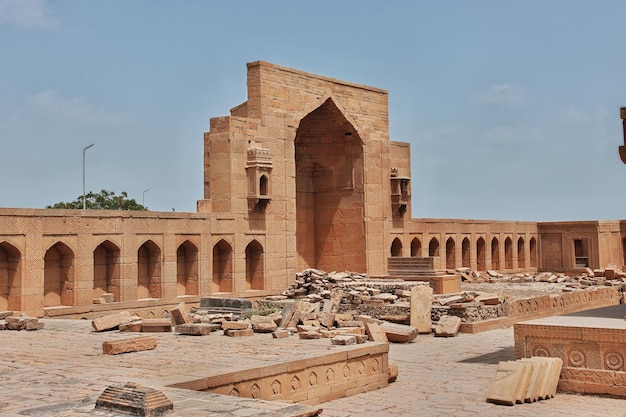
<point x="399" y="333"/>
<point x="239" y="332"/>
<point x="156" y="325"/>
<point x="195" y="329"/>
<point x="21" y="322"/>
<point x="343" y="340"/>
<point x="421" y="308"/>
<point x="135" y="344"/>
<point x="525" y="380"/>
<point x="180" y="315"/>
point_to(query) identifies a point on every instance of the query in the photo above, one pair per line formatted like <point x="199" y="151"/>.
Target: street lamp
<point x="143" y="198"/>
<point x="84" y="150"/>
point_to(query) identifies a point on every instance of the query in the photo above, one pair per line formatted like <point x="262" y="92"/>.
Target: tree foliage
<point x="104" y="200"/>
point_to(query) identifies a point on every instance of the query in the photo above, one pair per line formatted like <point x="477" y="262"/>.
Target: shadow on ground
<point x="493" y="358"/>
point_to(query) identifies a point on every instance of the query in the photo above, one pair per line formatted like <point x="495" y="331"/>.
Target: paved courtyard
<point x="438" y="376"/>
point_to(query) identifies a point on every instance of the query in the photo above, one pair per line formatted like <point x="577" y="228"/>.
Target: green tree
<point x="104" y="200"/>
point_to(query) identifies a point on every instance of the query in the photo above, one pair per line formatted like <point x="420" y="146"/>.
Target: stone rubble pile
<point x="610" y="276"/>
<point x="10" y="320"/>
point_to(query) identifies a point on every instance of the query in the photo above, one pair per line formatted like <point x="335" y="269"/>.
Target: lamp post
<point x="84" y="150"/>
<point x="143" y="198"/>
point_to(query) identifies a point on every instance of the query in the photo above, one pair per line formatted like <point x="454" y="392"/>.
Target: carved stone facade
<point x="302" y="174"/>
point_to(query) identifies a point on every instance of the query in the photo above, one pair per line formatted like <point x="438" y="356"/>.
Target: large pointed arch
<point x="396" y="247"/>
<point x="416" y="247"/>
<point x="450" y="253"/>
<point x="10" y="277"/>
<point x="330" y="202"/>
<point x="495" y="254"/>
<point x="481" y="256"/>
<point x="508" y="253"/>
<point x="466" y="258"/>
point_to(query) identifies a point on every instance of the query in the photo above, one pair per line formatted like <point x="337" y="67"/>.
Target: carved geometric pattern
<point x="234" y="392"/>
<point x="613" y="361"/>
<point x="276" y="387"/>
<point x="330" y="375"/>
<point x="312" y="378"/>
<point x="361" y="368"/>
<point x="576" y="358"/>
<point x="375" y="365"/>
<point x="255" y="391"/>
<point x="295" y="383"/>
<point x="346" y="371"/>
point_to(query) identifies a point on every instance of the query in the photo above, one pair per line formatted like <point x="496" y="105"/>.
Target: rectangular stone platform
<point x="591" y="344"/>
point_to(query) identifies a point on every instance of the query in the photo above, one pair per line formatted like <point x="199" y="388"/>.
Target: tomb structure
<point x="302" y="174"/>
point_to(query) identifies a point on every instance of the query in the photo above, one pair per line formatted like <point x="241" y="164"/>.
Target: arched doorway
<point x="222" y="280"/>
<point x="58" y="276"/>
<point x="396" y="247"/>
<point x="450" y="255"/>
<point x="254" y="266"/>
<point x="149" y="271"/>
<point x="187" y="269"/>
<point x="495" y="254"/>
<point x="533" y="252"/>
<point x="466" y="253"/>
<point x="416" y="247"/>
<point x="106" y="270"/>
<point x="10" y="277"/>
<point x="330" y="203"/>
<point x="521" y="255"/>
<point x="481" y="256"/>
<point x="508" y="253"/>
<point x="433" y="247"/>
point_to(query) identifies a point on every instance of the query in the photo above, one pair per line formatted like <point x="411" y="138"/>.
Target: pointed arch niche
<point x="10" y="277"/>
<point x="254" y="266"/>
<point x="222" y="280"/>
<point x="329" y="191"/>
<point x="149" y="270"/>
<point x="187" y="269"/>
<point x="106" y="270"/>
<point x="58" y="276"/>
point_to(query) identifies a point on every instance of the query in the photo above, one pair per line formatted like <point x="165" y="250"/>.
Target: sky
<point x="511" y="108"/>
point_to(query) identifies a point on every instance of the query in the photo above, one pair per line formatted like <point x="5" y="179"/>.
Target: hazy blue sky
<point x="511" y="107"/>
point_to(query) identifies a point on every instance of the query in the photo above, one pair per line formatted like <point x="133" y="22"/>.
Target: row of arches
<point x="60" y="273"/>
<point x="477" y="252"/>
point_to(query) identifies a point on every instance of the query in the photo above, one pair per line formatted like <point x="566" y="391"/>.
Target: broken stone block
<point x="361" y="338"/>
<point x="343" y="340"/>
<point x="179" y="314"/>
<point x="421" y="308"/>
<point x="134" y="326"/>
<point x="109" y="297"/>
<point x="309" y="334"/>
<point x="280" y="334"/>
<point x="350" y="323"/>
<point x="239" y="332"/>
<point x="326" y="319"/>
<point x="99" y="300"/>
<point x="448" y="326"/>
<point x="306" y="328"/>
<point x="5" y="314"/>
<point x="156" y="325"/>
<point x="235" y="325"/>
<point x="400" y="333"/>
<point x="375" y="333"/>
<point x="136" y="344"/>
<point x="135" y="400"/>
<point x="194" y="329"/>
<point x="510" y="383"/>
<point x="263" y="324"/>
<point x="110" y="321"/>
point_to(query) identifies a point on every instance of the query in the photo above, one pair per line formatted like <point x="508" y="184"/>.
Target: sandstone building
<point x="302" y="174"/>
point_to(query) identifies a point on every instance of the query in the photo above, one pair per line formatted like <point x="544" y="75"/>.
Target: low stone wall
<point x="308" y="381"/>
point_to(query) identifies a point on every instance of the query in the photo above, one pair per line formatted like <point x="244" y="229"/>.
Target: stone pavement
<point x="438" y="376"/>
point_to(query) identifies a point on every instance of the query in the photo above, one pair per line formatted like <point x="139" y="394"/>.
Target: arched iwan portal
<point x="10" y="277"/>
<point x="58" y="276"/>
<point x="329" y="192"/>
<point x="106" y="270"/>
